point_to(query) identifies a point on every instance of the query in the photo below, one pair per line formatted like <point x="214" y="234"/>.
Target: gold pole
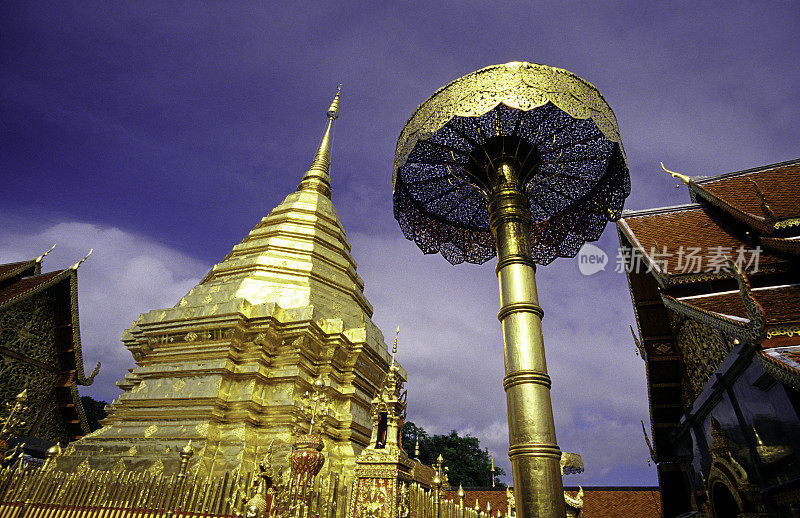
<point x="175" y="497"/>
<point x="533" y="450"/>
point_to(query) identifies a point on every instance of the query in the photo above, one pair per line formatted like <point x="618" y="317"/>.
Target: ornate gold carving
<point x="156" y="468"/>
<point x="519" y="85"/>
<point x="786" y="223"/>
<point x="663" y="348"/>
<point x="150" y="430"/>
<point x="315" y="405"/>
<point x="375" y="500"/>
<point x="787" y="330"/>
<point x="702" y="348"/>
<point x="82" y="468"/>
<point x="727" y="471"/>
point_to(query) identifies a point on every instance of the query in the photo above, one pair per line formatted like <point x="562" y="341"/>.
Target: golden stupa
<point x="228" y="366"/>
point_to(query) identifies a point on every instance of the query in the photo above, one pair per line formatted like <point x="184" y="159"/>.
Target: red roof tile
<point x="781" y="303"/>
<point x="26" y="285"/>
<point x="667" y="238"/>
<point x="622" y="503"/>
<point x="11" y="269"/>
<point x="780" y="186"/>
<point x="603" y="502"/>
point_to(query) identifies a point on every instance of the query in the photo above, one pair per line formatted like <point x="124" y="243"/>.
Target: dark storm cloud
<point x="173" y="128"/>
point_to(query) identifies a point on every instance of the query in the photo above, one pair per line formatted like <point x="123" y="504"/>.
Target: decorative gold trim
<point x="779" y="370"/>
<point x="786" y="330"/>
<point x="517" y="84"/>
<point x="753" y="330"/>
<point x="786" y="223"/>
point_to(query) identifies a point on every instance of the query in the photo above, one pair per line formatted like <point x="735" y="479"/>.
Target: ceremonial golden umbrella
<point x="524" y="162"/>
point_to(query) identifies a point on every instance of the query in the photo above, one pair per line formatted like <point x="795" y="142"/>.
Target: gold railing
<point x="43" y="492"/>
<point x="39" y="493"/>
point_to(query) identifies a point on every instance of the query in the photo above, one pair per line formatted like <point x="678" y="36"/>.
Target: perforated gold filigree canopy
<point x="567" y="143"/>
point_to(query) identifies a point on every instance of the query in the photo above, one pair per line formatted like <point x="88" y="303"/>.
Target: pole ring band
<point x="514" y="259"/>
<point x="526" y="376"/>
<point x="533" y="449"/>
<point x="516" y="307"/>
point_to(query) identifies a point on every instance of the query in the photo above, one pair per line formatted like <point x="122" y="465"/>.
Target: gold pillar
<point x="534" y="454"/>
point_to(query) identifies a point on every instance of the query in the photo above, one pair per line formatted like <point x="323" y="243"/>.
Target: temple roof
<point x="751" y="218"/>
<point x="780" y="303"/>
<point x="684" y="229"/>
<point x="735" y="215"/>
<point x="30" y="285"/>
<point x="23" y="281"/>
<point x="18" y="269"/>
<point x="68" y="279"/>
<point x="765" y="198"/>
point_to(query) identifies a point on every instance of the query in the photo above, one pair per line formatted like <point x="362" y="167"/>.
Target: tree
<point x="95" y="411"/>
<point x="468" y="464"/>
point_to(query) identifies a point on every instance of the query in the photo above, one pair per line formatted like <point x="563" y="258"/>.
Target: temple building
<point x="716" y="291"/>
<point x="232" y="364"/>
<point x="40" y="356"/>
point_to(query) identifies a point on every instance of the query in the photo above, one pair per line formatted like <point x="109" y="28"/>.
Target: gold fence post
<point x="185" y="454"/>
<point x="437" y="483"/>
<point x="33" y="492"/>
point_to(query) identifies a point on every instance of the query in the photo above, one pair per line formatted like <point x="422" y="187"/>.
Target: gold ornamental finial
<point x="682" y="177"/>
<point x="187" y="451"/>
<point x="75" y="266"/>
<point x="39" y="259"/>
<point x="317" y="178"/>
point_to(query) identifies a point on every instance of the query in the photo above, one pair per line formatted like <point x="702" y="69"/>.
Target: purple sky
<point x="159" y="134"/>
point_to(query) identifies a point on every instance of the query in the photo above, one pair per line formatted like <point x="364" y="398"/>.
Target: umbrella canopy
<point x="557" y="129"/>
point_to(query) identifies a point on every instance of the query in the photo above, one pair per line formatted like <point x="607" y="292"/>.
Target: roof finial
<point x="682" y="177"/>
<point x="75" y="266"/>
<point x="39" y="259"/>
<point x="394" y="347"/>
<point x="317" y="177"/>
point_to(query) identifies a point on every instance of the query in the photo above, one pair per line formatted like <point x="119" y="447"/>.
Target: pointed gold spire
<point x="682" y="177"/>
<point x="317" y="177"/>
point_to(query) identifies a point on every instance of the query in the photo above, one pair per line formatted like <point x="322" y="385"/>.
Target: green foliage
<point x="95" y="411"/>
<point x="468" y="464"/>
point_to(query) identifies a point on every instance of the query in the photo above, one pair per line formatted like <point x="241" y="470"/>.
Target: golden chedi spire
<point x="317" y="178"/>
<point x="279" y="304"/>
